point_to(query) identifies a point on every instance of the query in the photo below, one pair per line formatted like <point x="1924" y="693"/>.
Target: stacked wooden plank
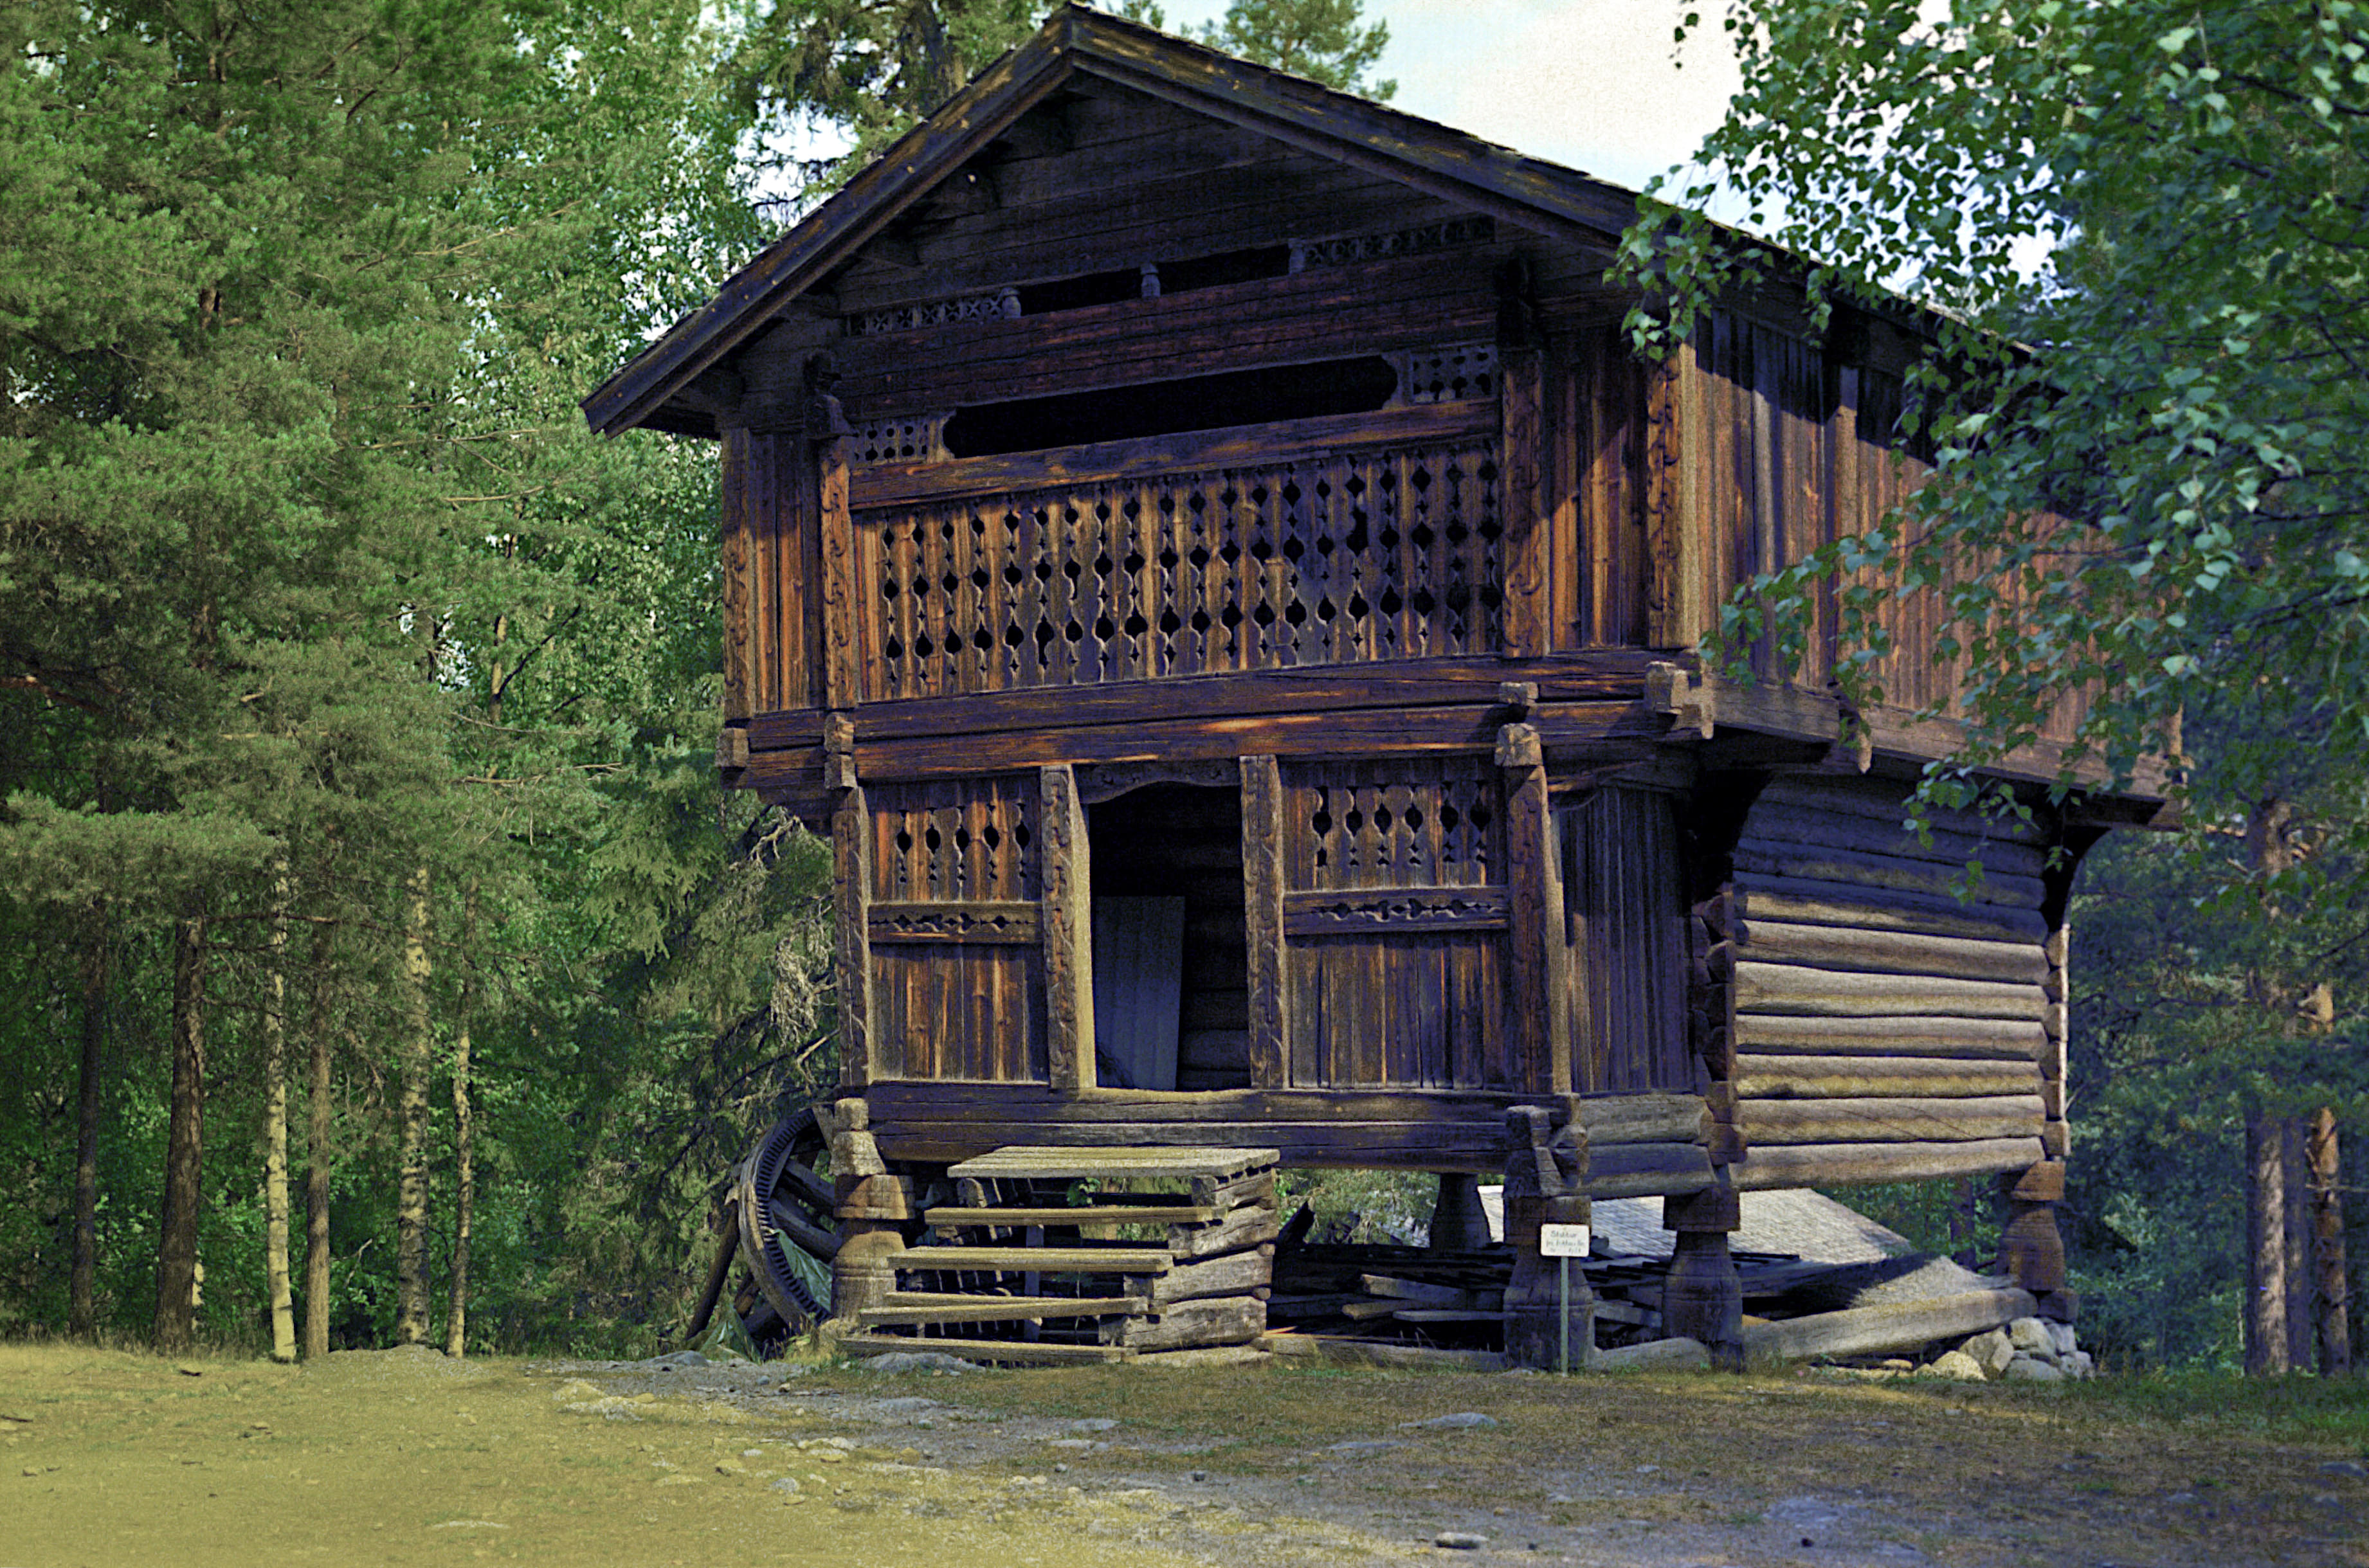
<point x="1053" y="1255"/>
<point x="1881" y="1026"/>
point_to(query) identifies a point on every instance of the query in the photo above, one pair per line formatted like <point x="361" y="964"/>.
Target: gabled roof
<point x="1424" y="156"/>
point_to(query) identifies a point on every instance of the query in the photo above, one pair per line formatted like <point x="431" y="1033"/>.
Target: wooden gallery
<point x="1200" y="545"/>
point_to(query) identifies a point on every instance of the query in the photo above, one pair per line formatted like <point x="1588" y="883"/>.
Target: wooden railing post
<point x="1538" y="957"/>
<point x="851" y="851"/>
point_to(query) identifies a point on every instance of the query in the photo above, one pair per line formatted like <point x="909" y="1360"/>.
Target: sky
<point x="1596" y="85"/>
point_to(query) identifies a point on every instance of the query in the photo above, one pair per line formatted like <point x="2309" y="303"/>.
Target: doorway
<point x="1171" y="942"/>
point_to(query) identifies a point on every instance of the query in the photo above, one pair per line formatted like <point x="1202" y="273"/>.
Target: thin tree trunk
<point x="2329" y="1295"/>
<point x="456" y="1310"/>
<point x="275" y="1130"/>
<point x="2294" y="1187"/>
<point x="2266" y="1263"/>
<point x="411" y="1191"/>
<point x="82" y="1282"/>
<point x="176" y="1250"/>
<point x="316" y="1159"/>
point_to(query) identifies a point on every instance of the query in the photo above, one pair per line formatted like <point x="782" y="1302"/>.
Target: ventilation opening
<point x="1171" y="939"/>
<point x="1166" y="278"/>
<point x="1166" y="407"/>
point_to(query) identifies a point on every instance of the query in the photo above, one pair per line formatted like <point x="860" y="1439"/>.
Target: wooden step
<point x="917" y="1307"/>
<point x="1015" y="1353"/>
<point x="1023" y="1163"/>
<point x="1089" y="1214"/>
<point x="1036" y="1260"/>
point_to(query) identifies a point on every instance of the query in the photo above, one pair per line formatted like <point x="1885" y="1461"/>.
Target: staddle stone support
<point x="1458" y="1224"/>
<point x="1703" y="1297"/>
<point x="861" y="1276"/>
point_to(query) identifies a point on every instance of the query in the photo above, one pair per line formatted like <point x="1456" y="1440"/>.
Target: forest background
<point x="363" y="863"/>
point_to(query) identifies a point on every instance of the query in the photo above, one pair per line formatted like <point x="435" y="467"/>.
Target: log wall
<point x="1883" y="1028"/>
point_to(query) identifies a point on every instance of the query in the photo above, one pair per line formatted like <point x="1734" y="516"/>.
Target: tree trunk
<point x="275" y="1131"/>
<point x="411" y="1191"/>
<point x="2294" y="1187"/>
<point x="2266" y="1263"/>
<point x="176" y="1249"/>
<point x="2330" y="1290"/>
<point x="316" y="1159"/>
<point x="82" y="1282"/>
<point x="456" y="1311"/>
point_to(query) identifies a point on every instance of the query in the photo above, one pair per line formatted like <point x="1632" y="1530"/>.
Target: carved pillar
<point x="1066" y="914"/>
<point x="851" y="855"/>
<point x="1546" y="1183"/>
<point x="861" y="1275"/>
<point x="1537" y="956"/>
<point x="1270" y="1055"/>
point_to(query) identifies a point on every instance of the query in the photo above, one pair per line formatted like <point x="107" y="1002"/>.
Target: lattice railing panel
<point x="1327" y="560"/>
<point x="971" y="840"/>
<point x="1406" y="822"/>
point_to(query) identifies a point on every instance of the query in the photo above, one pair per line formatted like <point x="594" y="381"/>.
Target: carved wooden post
<point x="861" y="1275"/>
<point x="1546" y="1183"/>
<point x="1537" y="955"/>
<point x="827" y="430"/>
<point x="1529" y="542"/>
<point x="851" y="855"/>
<point x="739" y="527"/>
<point x="1270" y="1055"/>
<point x="1703" y="1297"/>
<point x="1065" y="881"/>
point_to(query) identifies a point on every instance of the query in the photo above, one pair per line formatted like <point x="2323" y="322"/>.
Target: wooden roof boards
<point x="1078" y="46"/>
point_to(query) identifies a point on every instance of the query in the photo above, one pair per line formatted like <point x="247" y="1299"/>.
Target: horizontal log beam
<point x="1811" y="903"/>
<point x="1639" y="1170"/>
<point x="1892" y="952"/>
<point x="1888" y="1120"/>
<point x="1898" y="1325"/>
<point x="918" y="1306"/>
<point x="1800" y="862"/>
<point x="1798" y="990"/>
<point x="1764" y="1076"/>
<point x="887" y="485"/>
<point x="1886" y="800"/>
<point x="1981" y="1039"/>
<point x="1819" y="1164"/>
<point x="1811" y="824"/>
<point x="1596" y="676"/>
<point x="1612" y="1119"/>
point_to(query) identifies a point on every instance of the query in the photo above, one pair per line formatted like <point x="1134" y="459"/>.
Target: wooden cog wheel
<point x="789" y="1221"/>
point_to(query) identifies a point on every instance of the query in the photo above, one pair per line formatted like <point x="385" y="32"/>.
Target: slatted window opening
<point x="1395" y="917"/>
<point x="957" y="965"/>
<point x="1328" y="559"/>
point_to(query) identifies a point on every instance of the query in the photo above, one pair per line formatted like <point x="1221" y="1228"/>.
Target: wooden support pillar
<point x="1538" y="957"/>
<point x="1458" y="1224"/>
<point x="859" y="1277"/>
<point x="1703" y="1297"/>
<point x="851" y="853"/>
<point x="1065" y="920"/>
<point x="1270" y="1051"/>
<point x="1546" y="1183"/>
<point x="2030" y="1250"/>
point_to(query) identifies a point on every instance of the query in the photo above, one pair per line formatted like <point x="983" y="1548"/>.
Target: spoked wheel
<point x="789" y="1221"/>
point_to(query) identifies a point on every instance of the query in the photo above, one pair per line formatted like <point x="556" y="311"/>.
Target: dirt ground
<point x="405" y="1457"/>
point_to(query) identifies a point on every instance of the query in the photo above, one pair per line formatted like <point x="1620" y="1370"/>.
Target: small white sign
<point x="1562" y="1240"/>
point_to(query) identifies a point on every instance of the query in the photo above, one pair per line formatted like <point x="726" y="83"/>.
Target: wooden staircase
<point x="1050" y="1256"/>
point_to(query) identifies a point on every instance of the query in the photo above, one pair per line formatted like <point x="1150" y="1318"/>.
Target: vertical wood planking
<point x="1263" y="879"/>
<point x="1529" y="512"/>
<point x="851" y="858"/>
<point x="1068" y="968"/>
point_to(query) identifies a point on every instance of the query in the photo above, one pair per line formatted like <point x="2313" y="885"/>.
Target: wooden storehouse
<point x="1201" y="544"/>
